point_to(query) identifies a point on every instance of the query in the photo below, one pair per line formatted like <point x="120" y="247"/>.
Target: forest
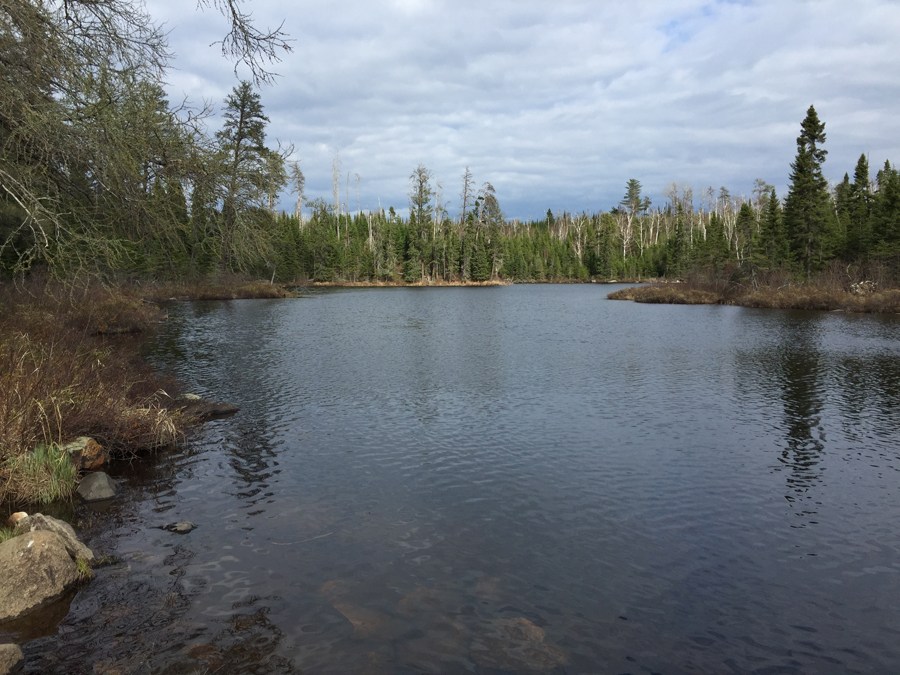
<point x="101" y="175"/>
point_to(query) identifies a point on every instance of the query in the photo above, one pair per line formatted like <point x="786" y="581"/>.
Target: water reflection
<point x="519" y="480"/>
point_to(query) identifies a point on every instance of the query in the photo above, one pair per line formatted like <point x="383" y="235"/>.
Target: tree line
<point x="100" y="173"/>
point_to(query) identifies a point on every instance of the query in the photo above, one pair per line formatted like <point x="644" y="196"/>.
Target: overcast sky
<point x="558" y="104"/>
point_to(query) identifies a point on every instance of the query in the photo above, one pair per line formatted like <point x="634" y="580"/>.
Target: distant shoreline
<point x="458" y="284"/>
<point x="804" y="297"/>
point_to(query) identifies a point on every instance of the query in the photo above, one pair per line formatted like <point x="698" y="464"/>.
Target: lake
<point x="521" y="479"/>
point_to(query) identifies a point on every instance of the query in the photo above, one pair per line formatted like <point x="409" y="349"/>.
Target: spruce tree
<point x="885" y="216"/>
<point x="859" y="229"/>
<point x="808" y="216"/>
<point x="242" y="140"/>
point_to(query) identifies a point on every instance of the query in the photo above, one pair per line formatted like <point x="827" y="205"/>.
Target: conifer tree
<point x="248" y="173"/>
<point x="808" y="216"/>
<point x="885" y="217"/>
<point x="859" y="227"/>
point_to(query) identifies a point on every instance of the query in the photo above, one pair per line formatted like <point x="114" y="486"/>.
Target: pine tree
<point x="242" y="138"/>
<point x="885" y="216"/>
<point x="772" y="251"/>
<point x="859" y="227"/>
<point x="808" y="216"/>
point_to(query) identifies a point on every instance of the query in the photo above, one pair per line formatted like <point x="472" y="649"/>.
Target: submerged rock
<point x="11" y="659"/>
<point x="199" y="408"/>
<point x="37" y="569"/>
<point x="182" y="527"/>
<point x="96" y="487"/>
<point x="86" y="454"/>
<point x="41" y="523"/>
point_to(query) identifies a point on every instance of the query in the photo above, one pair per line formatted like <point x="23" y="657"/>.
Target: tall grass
<point x="808" y="296"/>
<point x="66" y="372"/>
<point x="41" y="476"/>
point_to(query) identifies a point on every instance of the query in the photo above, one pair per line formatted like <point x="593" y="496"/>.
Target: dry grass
<point x="404" y="284"/>
<point x="63" y="375"/>
<point x="236" y="290"/>
<point x="668" y="294"/>
<point x="813" y="296"/>
<point x="827" y="299"/>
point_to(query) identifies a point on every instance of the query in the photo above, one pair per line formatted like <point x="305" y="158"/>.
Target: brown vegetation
<point x="234" y="290"/>
<point x="667" y="294"/>
<point x="817" y="295"/>
<point x="414" y="284"/>
<point x="69" y="368"/>
<point x="64" y="372"/>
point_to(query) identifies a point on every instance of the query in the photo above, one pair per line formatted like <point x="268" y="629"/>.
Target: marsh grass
<point x="233" y="289"/>
<point x="821" y="294"/>
<point x="668" y="294"/>
<point x="41" y="476"/>
<point x="67" y="370"/>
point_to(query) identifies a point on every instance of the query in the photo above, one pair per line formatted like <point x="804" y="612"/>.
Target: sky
<point x="558" y="104"/>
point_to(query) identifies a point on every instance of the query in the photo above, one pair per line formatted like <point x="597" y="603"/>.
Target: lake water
<point x="523" y="479"/>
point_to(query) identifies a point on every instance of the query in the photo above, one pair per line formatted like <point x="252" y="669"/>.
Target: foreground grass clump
<point x="42" y="476"/>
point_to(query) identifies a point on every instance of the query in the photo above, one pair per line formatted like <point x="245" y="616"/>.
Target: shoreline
<point x="863" y="300"/>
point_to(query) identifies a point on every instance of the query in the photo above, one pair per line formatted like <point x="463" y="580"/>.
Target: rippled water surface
<point x="508" y="480"/>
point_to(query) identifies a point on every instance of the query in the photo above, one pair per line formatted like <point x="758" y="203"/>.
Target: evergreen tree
<point x="859" y="227"/>
<point x="247" y="175"/>
<point x="885" y="216"/>
<point x="808" y="216"/>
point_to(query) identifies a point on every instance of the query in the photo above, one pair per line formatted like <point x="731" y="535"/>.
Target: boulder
<point x="96" y="487"/>
<point x="87" y="454"/>
<point x="37" y="569"/>
<point x="11" y="659"/>
<point x="15" y="518"/>
<point x="40" y="522"/>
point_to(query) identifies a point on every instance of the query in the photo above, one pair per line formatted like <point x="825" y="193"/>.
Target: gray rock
<point x="40" y="522"/>
<point x="192" y="405"/>
<point x="189" y="397"/>
<point x="96" y="486"/>
<point x="37" y="569"/>
<point x="11" y="659"/>
<point x="183" y="527"/>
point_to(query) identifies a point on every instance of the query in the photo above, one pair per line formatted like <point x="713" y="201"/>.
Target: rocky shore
<point x="45" y="561"/>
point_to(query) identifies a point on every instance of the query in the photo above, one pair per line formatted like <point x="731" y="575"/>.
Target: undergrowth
<point x="66" y="371"/>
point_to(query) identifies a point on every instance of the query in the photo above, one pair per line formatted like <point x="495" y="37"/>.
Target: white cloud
<point x="558" y="105"/>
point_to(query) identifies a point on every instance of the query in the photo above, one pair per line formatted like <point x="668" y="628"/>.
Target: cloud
<point x="558" y="105"/>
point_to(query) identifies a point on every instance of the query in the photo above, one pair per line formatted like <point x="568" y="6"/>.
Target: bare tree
<point x="336" y="189"/>
<point x="299" y="182"/>
<point x="245" y="43"/>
